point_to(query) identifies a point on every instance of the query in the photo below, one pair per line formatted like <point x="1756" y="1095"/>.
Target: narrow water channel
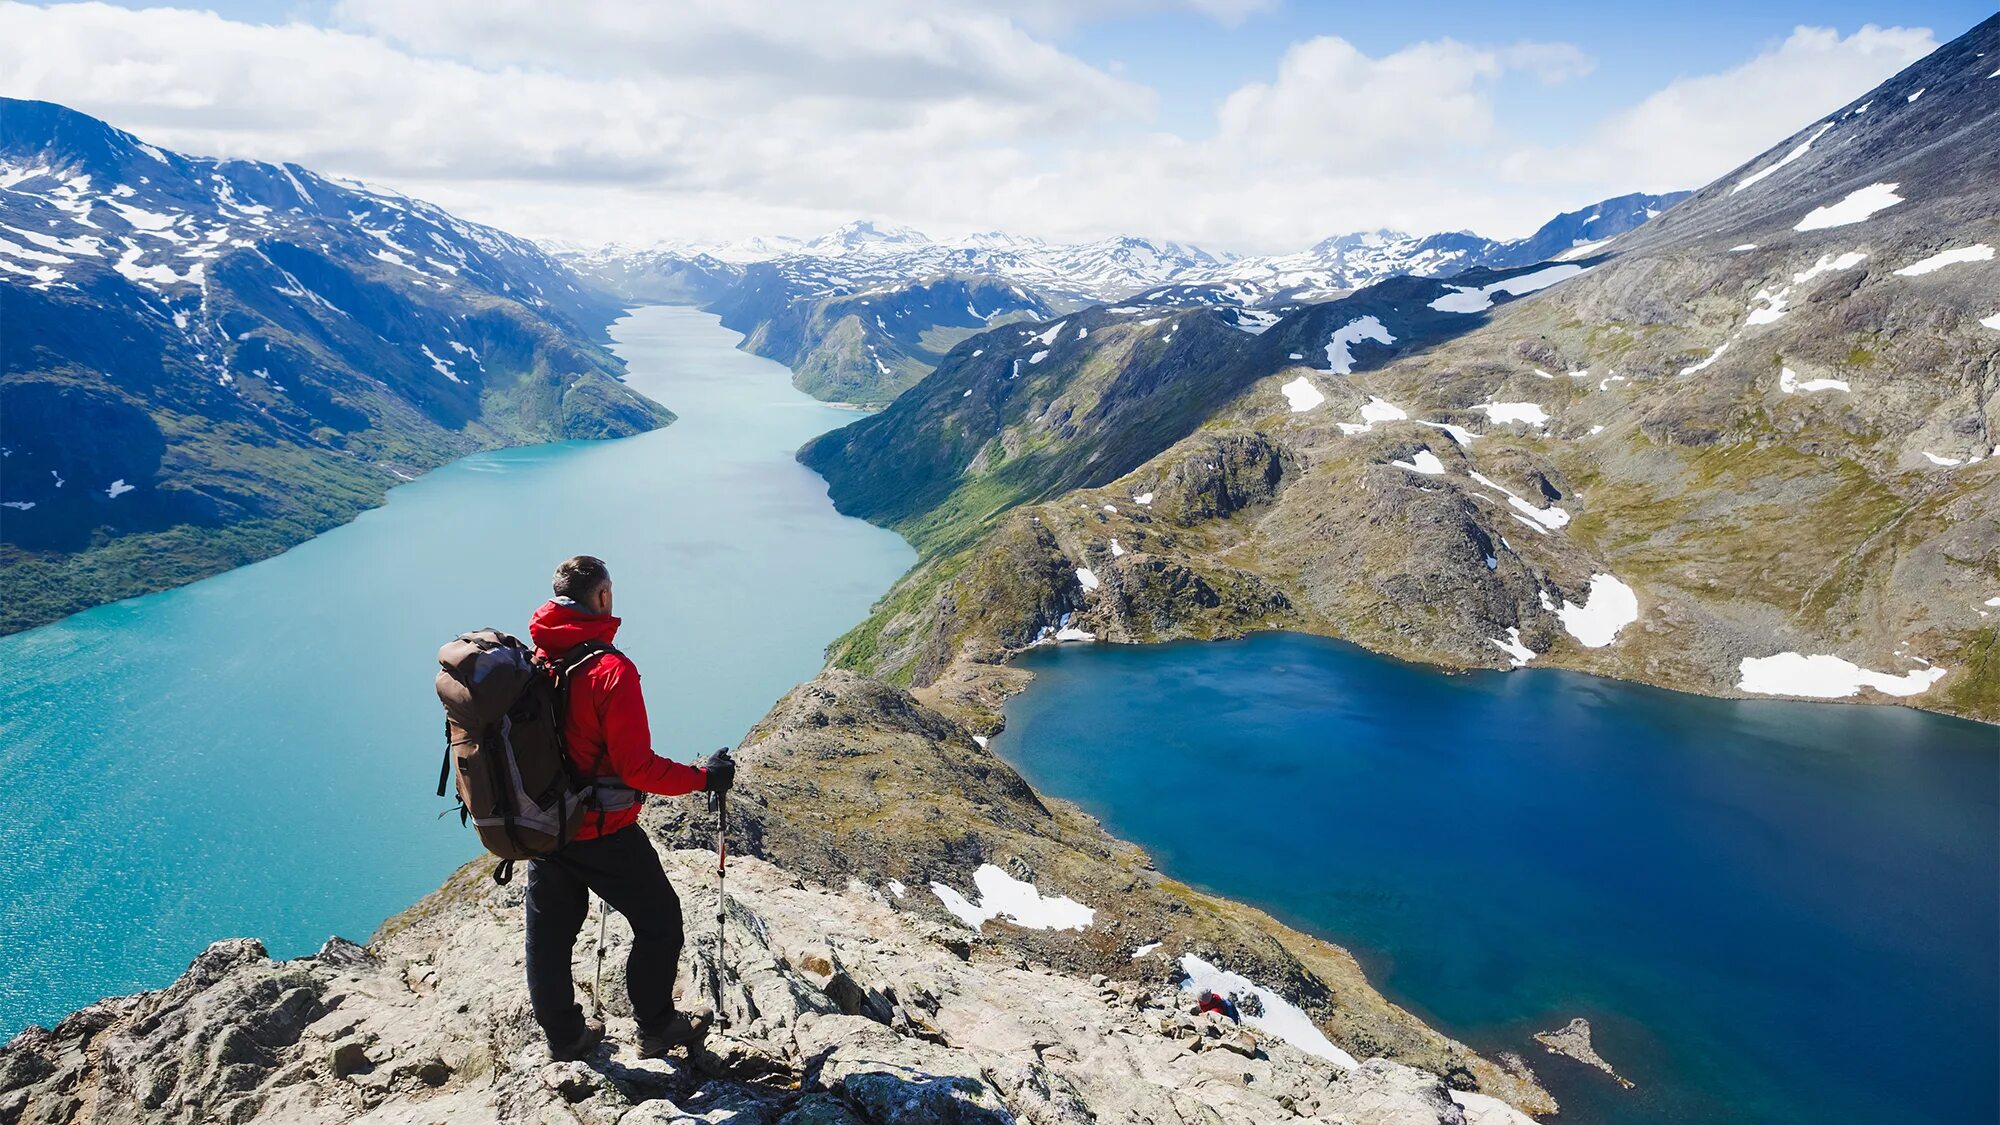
<point x="256" y="754"/>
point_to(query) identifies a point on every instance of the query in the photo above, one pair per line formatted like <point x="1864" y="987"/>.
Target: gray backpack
<point x="504" y="712"/>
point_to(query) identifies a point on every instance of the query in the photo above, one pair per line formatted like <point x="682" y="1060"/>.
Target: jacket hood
<point x="561" y="625"/>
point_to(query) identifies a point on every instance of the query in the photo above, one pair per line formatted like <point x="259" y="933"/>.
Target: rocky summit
<point x="936" y="944"/>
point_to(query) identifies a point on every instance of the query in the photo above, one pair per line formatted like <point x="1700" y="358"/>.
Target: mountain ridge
<point x="208" y="361"/>
<point x="1746" y="449"/>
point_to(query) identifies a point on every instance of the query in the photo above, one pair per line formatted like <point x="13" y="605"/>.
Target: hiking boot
<point x="592" y="1035"/>
<point x="681" y="1031"/>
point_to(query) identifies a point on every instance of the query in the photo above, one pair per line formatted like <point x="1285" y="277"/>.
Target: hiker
<point x="606" y="738"/>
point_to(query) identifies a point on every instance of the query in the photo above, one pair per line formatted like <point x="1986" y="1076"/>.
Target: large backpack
<point x="504" y="712"/>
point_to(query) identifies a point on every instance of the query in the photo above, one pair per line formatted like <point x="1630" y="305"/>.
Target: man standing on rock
<point x="607" y="739"/>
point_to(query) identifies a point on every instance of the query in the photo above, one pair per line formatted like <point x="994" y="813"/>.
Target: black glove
<point x="720" y="772"/>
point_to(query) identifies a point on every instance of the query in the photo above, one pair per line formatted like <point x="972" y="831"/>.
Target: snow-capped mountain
<point x="1347" y="262"/>
<point x="863" y="255"/>
<point x="864" y="237"/>
<point x="192" y="342"/>
<point x="867" y="255"/>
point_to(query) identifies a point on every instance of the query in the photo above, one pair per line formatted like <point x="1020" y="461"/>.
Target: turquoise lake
<point x="1770" y="912"/>
<point x="257" y="754"/>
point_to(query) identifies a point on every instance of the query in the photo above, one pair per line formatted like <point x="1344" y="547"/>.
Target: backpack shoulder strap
<point x="577" y="659"/>
<point x="564" y="668"/>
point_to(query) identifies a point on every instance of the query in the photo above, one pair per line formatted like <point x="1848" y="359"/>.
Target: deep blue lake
<point x="1769" y="911"/>
<point x="257" y="754"/>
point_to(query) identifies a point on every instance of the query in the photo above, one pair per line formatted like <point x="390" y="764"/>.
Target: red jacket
<point x="606" y="733"/>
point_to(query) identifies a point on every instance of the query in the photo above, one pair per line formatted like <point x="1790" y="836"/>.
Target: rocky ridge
<point x="852" y="995"/>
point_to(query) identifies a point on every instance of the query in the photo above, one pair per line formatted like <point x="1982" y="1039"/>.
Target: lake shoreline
<point x="1644" y="1053"/>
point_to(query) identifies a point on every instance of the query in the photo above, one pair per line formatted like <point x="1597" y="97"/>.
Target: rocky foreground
<point x="883" y="969"/>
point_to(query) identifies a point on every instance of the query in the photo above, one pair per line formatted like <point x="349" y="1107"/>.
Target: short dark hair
<point x="578" y="578"/>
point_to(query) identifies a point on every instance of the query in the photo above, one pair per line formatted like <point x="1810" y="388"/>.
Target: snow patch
<point x="1340" y="360"/>
<point x="1788" y="382"/>
<point x="1459" y="434"/>
<point x="1424" y="461"/>
<point x="1516" y="651"/>
<point x="1145" y="949"/>
<point x="1471" y="300"/>
<point x="1693" y="368"/>
<point x="1858" y="205"/>
<point x="1608" y="607"/>
<point x="1281" y="1017"/>
<point x="1758" y="176"/>
<point x="1144" y="499"/>
<point x="1826" y="677"/>
<point x="119" y="488"/>
<point x="1038" y="357"/>
<point x="1002" y="895"/>
<point x="1373" y="411"/>
<point x="1087" y="577"/>
<point x="1979" y="252"/>
<point x="1738" y="249"/>
<point x="1528" y="412"/>
<point x="1541" y="519"/>
<point x="1048" y="339"/>
<point x="1302" y="395"/>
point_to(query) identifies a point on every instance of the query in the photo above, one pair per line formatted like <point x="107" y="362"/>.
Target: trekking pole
<point x="720" y="803"/>
<point x="597" y="981"/>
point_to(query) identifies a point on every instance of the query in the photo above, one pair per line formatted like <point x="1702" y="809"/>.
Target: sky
<point x="1252" y="126"/>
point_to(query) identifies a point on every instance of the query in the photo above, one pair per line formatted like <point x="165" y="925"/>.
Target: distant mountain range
<point x="205" y="361"/>
<point x="864" y="254"/>
<point x="771" y="288"/>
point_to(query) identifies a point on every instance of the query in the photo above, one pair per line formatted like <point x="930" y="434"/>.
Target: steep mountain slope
<point x="866" y="347"/>
<point x="207" y="361"/>
<point x="1750" y="453"/>
<point x="862" y="984"/>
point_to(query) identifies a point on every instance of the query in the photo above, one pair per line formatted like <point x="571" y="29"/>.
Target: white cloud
<point x="600" y="119"/>
<point x="1695" y="129"/>
<point x="1332" y="105"/>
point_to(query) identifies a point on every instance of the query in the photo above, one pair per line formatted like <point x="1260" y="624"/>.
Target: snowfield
<point x="1979" y="252"/>
<point x="1528" y="412"/>
<point x="1302" y="395"/>
<point x="1826" y="677"/>
<point x="1788" y="382"/>
<point x="1338" y="357"/>
<point x="1281" y="1017"/>
<point x="1858" y="205"/>
<point x="1002" y="895"/>
<point x="1516" y="651"/>
<point x="1608" y="607"/>
<point x="1468" y="300"/>
<point x="1423" y="461"/>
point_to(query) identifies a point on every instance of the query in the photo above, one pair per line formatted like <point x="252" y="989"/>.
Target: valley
<point x="1184" y="614"/>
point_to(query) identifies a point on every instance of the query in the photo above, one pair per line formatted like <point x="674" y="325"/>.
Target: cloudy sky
<point x="1248" y="125"/>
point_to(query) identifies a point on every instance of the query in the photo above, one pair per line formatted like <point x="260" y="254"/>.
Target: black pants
<point x="625" y="872"/>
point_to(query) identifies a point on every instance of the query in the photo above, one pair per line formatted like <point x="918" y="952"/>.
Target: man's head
<point x="586" y="581"/>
